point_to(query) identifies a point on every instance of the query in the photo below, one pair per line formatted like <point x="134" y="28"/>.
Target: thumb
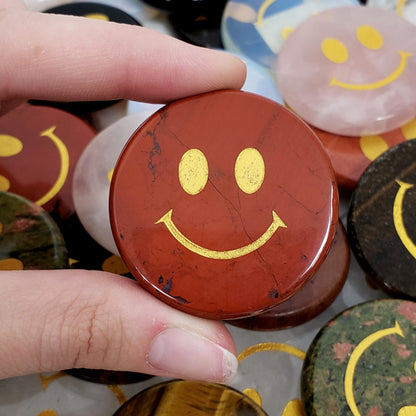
<point x="54" y="320"/>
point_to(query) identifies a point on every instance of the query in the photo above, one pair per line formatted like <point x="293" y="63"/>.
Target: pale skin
<point x="53" y="320"/>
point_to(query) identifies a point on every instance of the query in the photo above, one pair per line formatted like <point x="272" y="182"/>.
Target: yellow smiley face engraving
<point x="193" y="175"/>
<point x="370" y="38"/>
<point x="355" y="357"/>
<point x="11" y="146"/>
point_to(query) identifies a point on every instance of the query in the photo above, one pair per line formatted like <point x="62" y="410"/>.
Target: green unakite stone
<point x="28" y="236"/>
<point x="363" y="362"/>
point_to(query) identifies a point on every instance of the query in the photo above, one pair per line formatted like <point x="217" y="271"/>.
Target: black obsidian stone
<point x="382" y="221"/>
<point x="188" y="7"/>
<point x="201" y="29"/>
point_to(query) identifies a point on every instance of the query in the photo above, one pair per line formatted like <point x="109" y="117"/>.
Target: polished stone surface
<point x="258" y="28"/>
<point x="94" y="11"/>
<point x="350" y="156"/>
<point x="134" y="107"/>
<point x="29" y="238"/>
<point x="272" y="372"/>
<point x="147" y="15"/>
<point x="382" y="224"/>
<point x="180" y="397"/>
<point x="314" y="297"/>
<point x="92" y="177"/>
<point x="39" y="147"/>
<point x="350" y="71"/>
<point x="216" y="206"/>
<point x="201" y="29"/>
<point x="187" y="7"/>
<point x="363" y="362"/>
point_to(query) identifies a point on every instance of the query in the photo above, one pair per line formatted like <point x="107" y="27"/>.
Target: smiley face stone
<point x="223" y="204"/>
<point x="363" y="362"/>
<point x="258" y="28"/>
<point x="351" y="71"/>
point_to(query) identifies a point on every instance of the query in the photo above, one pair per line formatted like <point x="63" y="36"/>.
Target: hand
<point x="52" y="320"/>
<point x="66" y="58"/>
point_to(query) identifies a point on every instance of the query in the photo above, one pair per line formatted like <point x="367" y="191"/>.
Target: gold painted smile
<point x="378" y="84"/>
<point x="221" y="255"/>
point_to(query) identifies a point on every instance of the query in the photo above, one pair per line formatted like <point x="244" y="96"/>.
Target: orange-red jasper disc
<point x="223" y="204"/>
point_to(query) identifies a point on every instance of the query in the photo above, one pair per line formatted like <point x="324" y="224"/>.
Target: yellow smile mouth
<point x="364" y="87"/>
<point x="221" y="255"/>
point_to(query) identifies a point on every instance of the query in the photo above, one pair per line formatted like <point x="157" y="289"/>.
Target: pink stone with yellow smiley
<point x="351" y="71"/>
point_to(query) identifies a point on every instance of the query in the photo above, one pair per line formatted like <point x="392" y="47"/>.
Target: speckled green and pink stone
<point x="382" y="362"/>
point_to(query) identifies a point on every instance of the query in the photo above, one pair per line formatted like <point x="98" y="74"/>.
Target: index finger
<point x="67" y="58"/>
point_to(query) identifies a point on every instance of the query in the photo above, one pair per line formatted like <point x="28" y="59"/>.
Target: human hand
<point x="52" y="320"/>
<point x="67" y="58"/>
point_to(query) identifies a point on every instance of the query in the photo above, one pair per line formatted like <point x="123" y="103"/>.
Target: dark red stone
<point x="299" y="187"/>
<point x="52" y="141"/>
<point x="350" y="156"/>
<point x="314" y="297"/>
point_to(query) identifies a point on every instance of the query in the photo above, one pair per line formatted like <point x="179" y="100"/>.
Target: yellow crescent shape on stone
<point x="63" y="173"/>
<point x="221" y="255"/>
<point x="254" y="395"/>
<point x="398" y="218"/>
<point x="271" y="346"/>
<point x="383" y="82"/>
<point x="356" y="355"/>
<point x="262" y="10"/>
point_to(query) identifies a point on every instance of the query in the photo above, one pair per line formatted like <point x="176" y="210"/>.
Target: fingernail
<point x="185" y="355"/>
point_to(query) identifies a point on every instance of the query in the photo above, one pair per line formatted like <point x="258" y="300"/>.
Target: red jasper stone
<point x="350" y="156"/>
<point x="39" y="147"/>
<point x="223" y="204"/>
<point x="314" y="297"/>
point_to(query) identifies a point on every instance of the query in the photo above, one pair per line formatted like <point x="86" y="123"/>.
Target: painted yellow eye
<point x="193" y="171"/>
<point x="249" y="170"/>
<point x="9" y="145"/>
<point x="369" y="37"/>
<point x="334" y="50"/>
